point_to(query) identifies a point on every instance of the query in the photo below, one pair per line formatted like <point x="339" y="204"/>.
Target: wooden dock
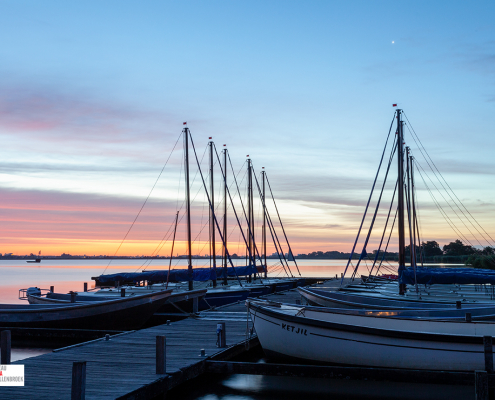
<point x="124" y="367"/>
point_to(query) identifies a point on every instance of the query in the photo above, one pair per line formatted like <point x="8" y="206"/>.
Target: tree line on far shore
<point x="454" y="253"/>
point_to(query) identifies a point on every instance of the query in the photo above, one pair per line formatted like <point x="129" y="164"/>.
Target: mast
<point x="212" y="218"/>
<point x="250" y="195"/>
<point x="400" y="161"/>
<point x="188" y="208"/>
<point x="225" y="216"/>
<point x="264" y="221"/>
<point x="410" y="219"/>
<point x="413" y="211"/>
<point x="172" y="250"/>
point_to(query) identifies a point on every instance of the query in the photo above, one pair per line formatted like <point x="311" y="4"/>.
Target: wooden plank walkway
<point x="124" y="366"/>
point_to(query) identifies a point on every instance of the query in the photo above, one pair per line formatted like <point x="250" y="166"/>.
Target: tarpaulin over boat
<point x="432" y="276"/>
<point x="177" y="275"/>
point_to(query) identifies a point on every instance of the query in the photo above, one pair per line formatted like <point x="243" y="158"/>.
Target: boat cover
<point x="178" y="275"/>
<point x="430" y="276"/>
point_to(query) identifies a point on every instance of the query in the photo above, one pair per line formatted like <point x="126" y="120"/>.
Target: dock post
<point x="78" y="389"/>
<point x="85" y="286"/>
<point x="458" y="304"/>
<point x="488" y="344"/>
<point x="481" y="385"/>
<point x="195" y="305"/>
<point x="221" y="335"/>
<point x="161" y="355"/>
<point x="52" y="289"/>
<point x="122" y="292"/>
<point x="5" y="347"/>
<point x="468" y="317"/>
<point x="73" y="296"/>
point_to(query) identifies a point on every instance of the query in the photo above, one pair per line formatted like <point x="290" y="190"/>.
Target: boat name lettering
<point x="294" y="329"/>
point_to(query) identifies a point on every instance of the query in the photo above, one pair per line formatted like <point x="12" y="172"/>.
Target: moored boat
<point x="322" y="336"/>
<point x="118" y="314"/>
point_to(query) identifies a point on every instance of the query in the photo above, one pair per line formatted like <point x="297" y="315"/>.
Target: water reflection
<point x="251" y="387"/>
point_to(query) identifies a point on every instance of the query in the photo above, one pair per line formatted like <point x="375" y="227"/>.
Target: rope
<point x="421" y="147"/>
<point x="367" y="205"/>
<point x="145" y="201"/>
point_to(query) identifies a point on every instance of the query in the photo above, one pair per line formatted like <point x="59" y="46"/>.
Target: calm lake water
<point x="68" y="275"/>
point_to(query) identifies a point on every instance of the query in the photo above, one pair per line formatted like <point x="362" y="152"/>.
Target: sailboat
<point x="372" y="338"/>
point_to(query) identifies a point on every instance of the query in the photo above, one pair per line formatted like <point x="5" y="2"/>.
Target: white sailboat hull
<point x="284" y="334"/>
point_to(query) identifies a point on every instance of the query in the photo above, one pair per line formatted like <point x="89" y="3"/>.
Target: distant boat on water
<point x="36" y="260"/>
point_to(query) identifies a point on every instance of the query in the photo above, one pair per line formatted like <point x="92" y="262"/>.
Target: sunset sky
<point x="93" y="95"/>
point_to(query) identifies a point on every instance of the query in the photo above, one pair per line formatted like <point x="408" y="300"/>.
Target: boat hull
<point x="296" y="337"/>
<point x="120" y="314"/>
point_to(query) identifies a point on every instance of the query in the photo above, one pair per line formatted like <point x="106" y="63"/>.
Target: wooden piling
<point x="468" y="317"/>
<point x="122" y="292"/>
<point x="221" y="335"/>
<point x="73" y="297"/>
<point x="78" y="389"/>
<point x="458" y="304"/>
<point x="85" y="286"/>
<point x="161" y="355"/>
<point x="195" y="305"/>
<point x="52" y="289"/>
<point x="5" y="347"/>
<point x="488" y="344"/>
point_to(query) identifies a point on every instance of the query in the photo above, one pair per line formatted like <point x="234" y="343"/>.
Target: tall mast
<point x="213" y="254"/>
<point x="225" y="216"/>
<point x="249" y="194"/>
<point x="400" y="160"/>
<point x="188" y="207"/>
<point x="410" y="217"/>
<point x="411" y="158"/>
<point x="264" y="221"/>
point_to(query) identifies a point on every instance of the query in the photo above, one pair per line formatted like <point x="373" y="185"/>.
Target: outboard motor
<point x="33" y="291"/>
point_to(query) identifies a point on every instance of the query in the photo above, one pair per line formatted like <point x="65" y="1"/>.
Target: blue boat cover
<point x="432" y="276"/>
<point x="177" y="275"/>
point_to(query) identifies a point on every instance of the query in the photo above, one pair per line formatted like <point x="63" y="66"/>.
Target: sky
<point x="93" y="96"/>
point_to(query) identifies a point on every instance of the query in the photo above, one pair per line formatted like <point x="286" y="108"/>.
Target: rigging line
<point x="211" y="207"/>
<point x="280" y="220"/>
<point x="463" y="236"/>
<point x="279" y="253"/>
<point x="388" y="241"/>
<point x="385" y="228"/>
<point x="231" y="200"/>
<point x="465" y="208"/>
<point x="448" y="203"/>
<point x="367" y="205"/>
<point x="418" y="225"/>
<point x="394" y="148"/>
<point x="145" y="201"/>
<point x="153" y="253"/>
<point x="269" y="219"/>
<point x="442" y="211"/>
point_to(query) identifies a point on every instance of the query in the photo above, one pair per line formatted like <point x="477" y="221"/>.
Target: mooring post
<point x="5" y="347"/>
<point x="73" y="297"/>
<point x="481" y="385"/>
<point x="122" y="292"/>
<point x="488" y="344"/>
<point x="195" y="305"/>
<point x="78" y="389"/>
<point x="52" y="289"/>
<point x="468" y="317"/>
<point x="161" y="355"/>
<point x="458" y="304"/>
<point x="221" y="335"/>
<point x="85" y="286"/>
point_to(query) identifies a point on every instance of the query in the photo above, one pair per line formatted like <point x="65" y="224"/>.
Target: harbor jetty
<point x="145" y="364"/>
